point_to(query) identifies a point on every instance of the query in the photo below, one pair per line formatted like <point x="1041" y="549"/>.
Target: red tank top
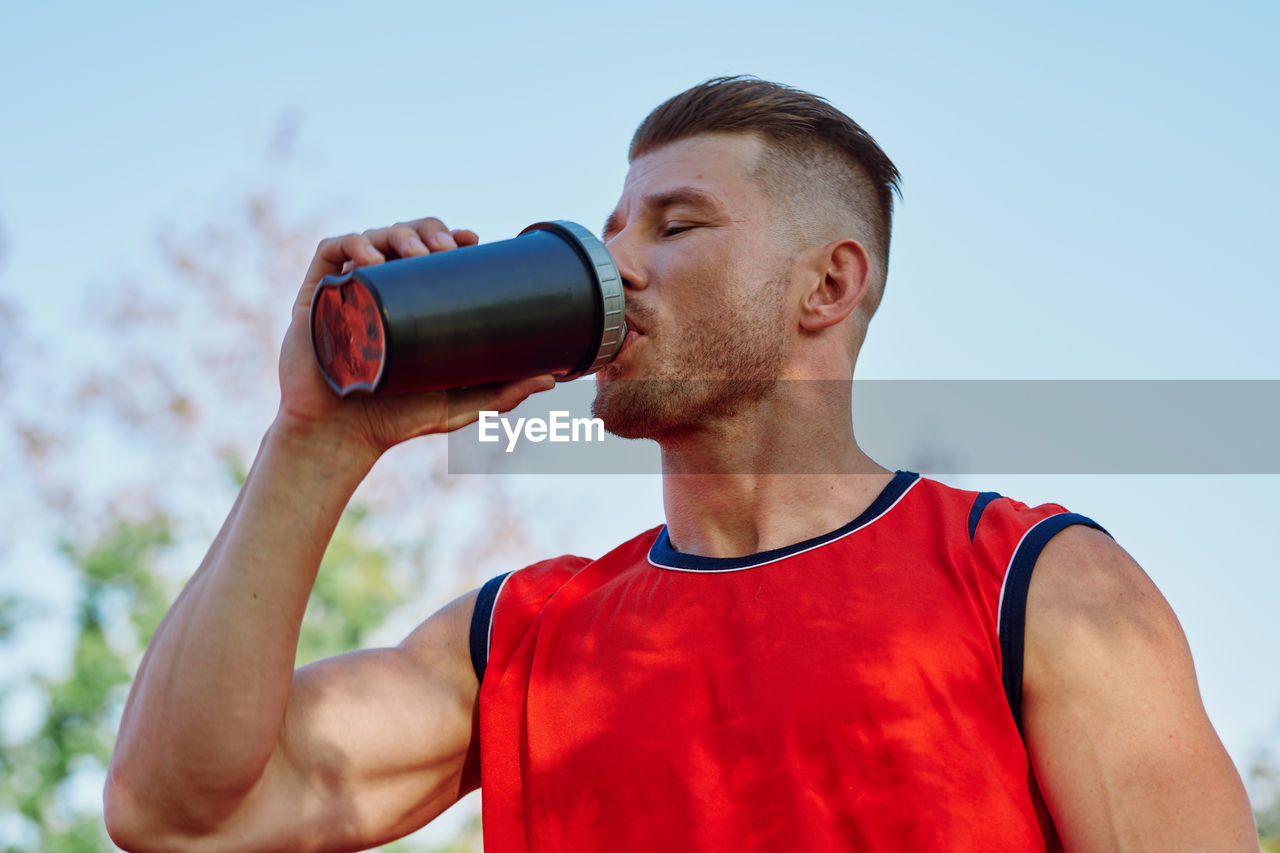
<point x="847" y="692"/>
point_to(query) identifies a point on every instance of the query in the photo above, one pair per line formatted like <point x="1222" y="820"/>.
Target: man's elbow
<point x="125" y="818"/>
<point x="136" y="822"/>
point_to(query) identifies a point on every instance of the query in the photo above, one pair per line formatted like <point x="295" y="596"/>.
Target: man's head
<point x="753" y="242"/>
<point x="827" y="176"/>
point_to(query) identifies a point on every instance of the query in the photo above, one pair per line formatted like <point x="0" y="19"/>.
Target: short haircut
<point x="813" y="149"/>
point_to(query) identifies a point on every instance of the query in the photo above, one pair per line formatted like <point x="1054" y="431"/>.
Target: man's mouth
<point x="629" y="341"/>
<point x="634" y="332"/>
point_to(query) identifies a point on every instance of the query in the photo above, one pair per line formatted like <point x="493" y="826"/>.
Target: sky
<point x="1088" y="193"/>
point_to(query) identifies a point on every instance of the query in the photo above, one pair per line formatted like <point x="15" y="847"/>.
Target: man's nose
<point x="627" y="261"/>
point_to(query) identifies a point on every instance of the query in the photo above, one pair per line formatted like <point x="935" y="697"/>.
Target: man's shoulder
<point x="542" y="579"/>
<point x="986" y="511"/>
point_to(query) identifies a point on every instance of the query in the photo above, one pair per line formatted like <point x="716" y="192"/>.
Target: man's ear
<point x="844" y="271"/>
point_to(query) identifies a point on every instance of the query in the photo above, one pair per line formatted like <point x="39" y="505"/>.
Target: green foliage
<point x="1266" y="784"/>
<point x="119" y="572"/>
<point x="10" y="615"/>
<point x="121" y="596"/>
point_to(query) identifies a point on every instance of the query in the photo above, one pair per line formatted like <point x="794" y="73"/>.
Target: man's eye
<point x="672" y="229"/>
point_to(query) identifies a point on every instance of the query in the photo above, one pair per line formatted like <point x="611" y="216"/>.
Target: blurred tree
<point x="1264" y="778"/>
<point x="52" y="775"/>
<point x="120" y="600"/>
<point x="125" y="447"/>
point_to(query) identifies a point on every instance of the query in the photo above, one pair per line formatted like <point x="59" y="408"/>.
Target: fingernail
<point x="416" y="243"/>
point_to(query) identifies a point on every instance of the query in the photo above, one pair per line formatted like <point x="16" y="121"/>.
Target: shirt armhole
<point x="1012" y="612"/>
<point x="482" y="623"/>
<point x="978" y="508"/>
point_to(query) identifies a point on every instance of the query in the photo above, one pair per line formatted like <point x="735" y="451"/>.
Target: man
<point x="844" y="658"/>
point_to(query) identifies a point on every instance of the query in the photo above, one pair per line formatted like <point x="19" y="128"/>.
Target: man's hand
<point x="377" y="423"/>
<point x="222" y="746"/>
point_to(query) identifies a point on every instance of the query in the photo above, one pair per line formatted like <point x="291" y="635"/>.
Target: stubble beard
<point x="732" y="366"/>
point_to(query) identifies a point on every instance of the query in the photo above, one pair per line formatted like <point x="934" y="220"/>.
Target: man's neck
<point x="785" y="471"/>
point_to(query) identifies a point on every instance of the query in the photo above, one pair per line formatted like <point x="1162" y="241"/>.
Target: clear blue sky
<point x="1089" y="193"/>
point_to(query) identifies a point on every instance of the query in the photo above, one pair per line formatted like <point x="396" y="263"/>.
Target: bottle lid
<point x="613" y="330"/>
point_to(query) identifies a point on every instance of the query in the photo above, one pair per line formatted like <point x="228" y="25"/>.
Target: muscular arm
<point x="1122" y="748"/>
<point x="223" y="746"/>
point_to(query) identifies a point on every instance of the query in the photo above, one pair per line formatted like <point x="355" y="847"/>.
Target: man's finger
<point x="360" y="249"/>
<point x="329" y="258"/>
<point x="434" y="233"/>
<point x="403" y="239"/>
<point x="465" y="405"/>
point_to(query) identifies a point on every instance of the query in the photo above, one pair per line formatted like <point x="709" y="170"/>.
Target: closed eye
<point x="671" y="229"/>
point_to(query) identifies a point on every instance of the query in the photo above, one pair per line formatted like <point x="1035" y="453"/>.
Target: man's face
<point x="707" y="282"/>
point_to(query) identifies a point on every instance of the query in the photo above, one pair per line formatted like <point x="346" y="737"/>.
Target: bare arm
<point x="1122" y="748"/>
<point x="222" y="745"/>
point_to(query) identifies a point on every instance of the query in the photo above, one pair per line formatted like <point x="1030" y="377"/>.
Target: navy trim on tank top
<point x="481" y="620"/>
<point x="979" y="506"/>
<point x="662" y="555"/>
<point x="1012" y="621"/>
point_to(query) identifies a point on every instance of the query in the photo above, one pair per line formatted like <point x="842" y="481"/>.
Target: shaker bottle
<point x="547" y="301"/>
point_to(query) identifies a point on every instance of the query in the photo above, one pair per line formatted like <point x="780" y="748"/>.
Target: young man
<point x="813" y="653"/>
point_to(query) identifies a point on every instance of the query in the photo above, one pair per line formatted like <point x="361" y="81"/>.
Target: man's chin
<point x="651" y="408"/>
<point x="631" y="408"/>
